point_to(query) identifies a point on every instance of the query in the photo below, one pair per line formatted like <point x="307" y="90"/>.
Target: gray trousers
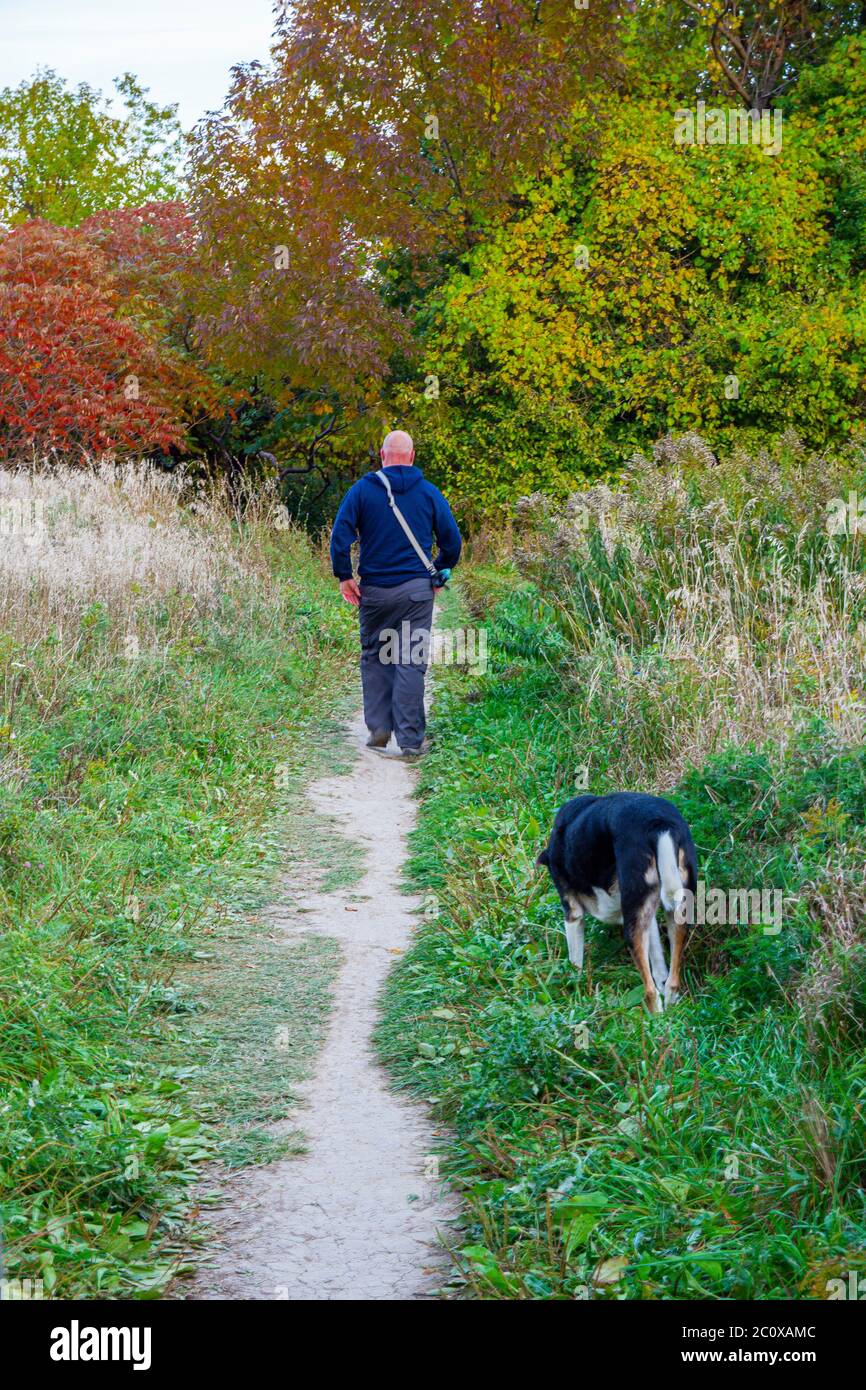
<point x="395" y="650"/>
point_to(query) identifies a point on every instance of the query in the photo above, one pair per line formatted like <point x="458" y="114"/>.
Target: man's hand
<point x="350" y="591"/>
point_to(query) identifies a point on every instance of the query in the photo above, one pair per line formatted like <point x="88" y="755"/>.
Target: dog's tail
<point x="543" y="858"/>
<point x="673" y="893"/>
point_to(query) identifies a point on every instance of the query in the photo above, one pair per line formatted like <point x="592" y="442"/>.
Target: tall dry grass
<point x="707" y="601"/>
<point x="112" y="536"/>
<point x="142" y="555"/>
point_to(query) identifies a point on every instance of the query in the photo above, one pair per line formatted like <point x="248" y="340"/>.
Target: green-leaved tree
<point x="65" y="153"/>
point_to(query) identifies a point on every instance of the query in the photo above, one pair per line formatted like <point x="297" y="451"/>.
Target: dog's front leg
<point x="574" y="933"/>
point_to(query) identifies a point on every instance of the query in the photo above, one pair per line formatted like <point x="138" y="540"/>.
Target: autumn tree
<point x="378" y="130"/>
<point x="75" y="376"/>
<point x="657" y="288"/>
<point x="158" y="272"/>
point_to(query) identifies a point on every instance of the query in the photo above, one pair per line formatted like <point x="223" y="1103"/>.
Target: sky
<point x="181" y="49"/>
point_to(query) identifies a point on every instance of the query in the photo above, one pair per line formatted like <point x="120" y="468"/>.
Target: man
<point x="396" y="589"/>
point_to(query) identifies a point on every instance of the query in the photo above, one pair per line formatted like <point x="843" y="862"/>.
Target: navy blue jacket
<point x="387" y="558"/>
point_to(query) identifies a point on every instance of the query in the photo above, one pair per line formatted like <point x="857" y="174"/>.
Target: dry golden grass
<point x="116" y="541"/>
<point x="755" y="623"/>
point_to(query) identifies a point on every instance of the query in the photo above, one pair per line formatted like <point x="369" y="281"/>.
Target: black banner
<point x="86" y="1340"/>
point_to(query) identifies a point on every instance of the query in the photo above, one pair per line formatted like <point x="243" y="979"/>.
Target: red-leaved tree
<point x="76" y="376"/>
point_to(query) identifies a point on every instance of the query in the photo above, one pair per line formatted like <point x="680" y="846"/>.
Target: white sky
<point x="181" y="49"/>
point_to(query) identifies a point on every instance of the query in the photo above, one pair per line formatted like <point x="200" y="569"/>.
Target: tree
<point x="75" y="377"/>
<point x="377" y="128"/>
<point x="760" y="46"/>
<point x="834" y="96"/>
<point x="656" y="288"/>
<point x="64" y="155"/>
<point x="154" y="257"/>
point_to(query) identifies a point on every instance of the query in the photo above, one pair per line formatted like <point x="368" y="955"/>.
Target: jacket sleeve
<point x="447" y="534"/>
<point x="345" y="533"/>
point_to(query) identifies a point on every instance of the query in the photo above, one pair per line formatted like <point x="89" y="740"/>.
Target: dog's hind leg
<point x="657" y="961"/>
<point x="677" y="933"/>
<point x="638" y="928"/>
<point x="574" y="930"/>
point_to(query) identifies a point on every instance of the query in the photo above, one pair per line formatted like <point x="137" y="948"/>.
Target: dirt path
<point x="357" y="1216"/>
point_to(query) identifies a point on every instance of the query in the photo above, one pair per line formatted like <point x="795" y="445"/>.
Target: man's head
<point x="397" y="448"/>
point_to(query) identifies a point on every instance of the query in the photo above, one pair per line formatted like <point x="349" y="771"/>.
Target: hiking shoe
<point x="379" y="738"/>
<point x="410" y="753"/>
<point x="406" y="755"/>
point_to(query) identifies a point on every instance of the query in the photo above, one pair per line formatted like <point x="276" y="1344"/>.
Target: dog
<point x="616" y="857"/>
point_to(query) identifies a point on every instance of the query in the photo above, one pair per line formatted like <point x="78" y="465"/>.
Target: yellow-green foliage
<point x="660" y="287"/>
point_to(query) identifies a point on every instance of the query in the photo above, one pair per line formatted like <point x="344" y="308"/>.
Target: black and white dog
<point x="616" y="857"/>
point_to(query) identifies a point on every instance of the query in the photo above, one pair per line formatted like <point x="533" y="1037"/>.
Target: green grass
<point x="148" y="1022"/>
<point x="716" y="1152"/>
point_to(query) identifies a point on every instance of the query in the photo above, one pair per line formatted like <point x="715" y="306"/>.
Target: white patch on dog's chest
<point x="605" y="906"/>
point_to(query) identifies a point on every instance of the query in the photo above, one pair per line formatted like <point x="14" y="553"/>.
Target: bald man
<point x="396" y="591"/>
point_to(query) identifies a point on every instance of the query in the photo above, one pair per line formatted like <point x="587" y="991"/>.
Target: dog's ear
<point x="543" y="859"/>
